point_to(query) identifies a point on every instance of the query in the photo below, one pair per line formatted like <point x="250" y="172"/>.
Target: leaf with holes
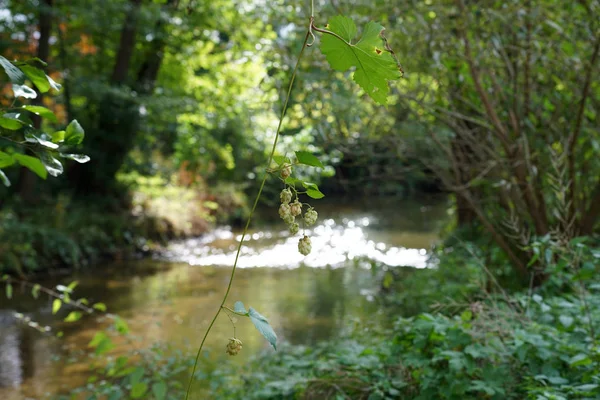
<point x="371" y="56"/>
<point x="262" y="324"/>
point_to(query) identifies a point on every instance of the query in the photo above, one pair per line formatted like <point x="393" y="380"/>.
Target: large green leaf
<point x="11" y="124"/>
<point x="37" y="76"/>
<point x="262" y="324"/>
<point x="374" y="64"/>
<point x="32" y="163"/>
<point x="15" y="75"/>
<point x="42" y="112"/>
<point x="306" y="158"/>
<point x="74" y="133"/>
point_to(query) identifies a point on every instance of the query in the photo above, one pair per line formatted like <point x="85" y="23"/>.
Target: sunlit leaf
<point x="37" y="76"/>
<point x="53" y="166"/>
<point x="306" y="158"/>
<point x="41" y="111"/>
<point x="24" y="91"/>
<point x="74" y="133"/>
<point x="100" y="307"/>
<point x="374" y="64"/>
<point x="4" y="179"/>
<point x="56" y="304"/>
<point x="11" y="123"/>
<point x="33" y="136"/>
<point x="73" y="316"/>
<point x="262" y="324"/>
<point x="15" y="75"/>
<point x="9" y="291"/>
<point x="80" y="158"/>
<point x="6" y="160"/>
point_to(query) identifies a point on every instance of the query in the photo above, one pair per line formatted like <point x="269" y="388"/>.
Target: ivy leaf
<point x="370" y="55"/>
<point x="42" y="112"/>
<point x="306" y="158"/>
<point x="32" y="163"/>
<point x="262" y="324"/>
<point x="239" y="308"/>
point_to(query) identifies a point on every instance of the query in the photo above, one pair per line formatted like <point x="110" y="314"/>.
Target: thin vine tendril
<point x="262" y="185"/>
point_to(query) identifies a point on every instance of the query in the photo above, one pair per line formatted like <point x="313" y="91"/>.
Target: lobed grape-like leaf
<point x="374" y="61"/>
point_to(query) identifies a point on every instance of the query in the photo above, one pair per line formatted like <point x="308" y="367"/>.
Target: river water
<point x="171" y="298"/>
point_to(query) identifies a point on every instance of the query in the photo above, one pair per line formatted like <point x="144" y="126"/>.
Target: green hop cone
<point x="233" y="347"/>
<point x="284" y="211"/>
<point x="285" y="196"/>
<point x="294" y="228"/>
<point x="296" y="208"/>
<point x="286" y="171"/>
<point x="289" y="219"/>
<point x="304" y="246"/>
<point x="310" y="217"/>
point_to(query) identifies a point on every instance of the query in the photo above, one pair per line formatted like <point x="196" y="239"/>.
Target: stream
<point x="172" y="297"/>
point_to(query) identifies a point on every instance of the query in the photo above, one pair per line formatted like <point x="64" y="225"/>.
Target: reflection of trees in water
<point x="11" y="364"/>
<point x="325" y="308"/>
<point x="16" y="351"/>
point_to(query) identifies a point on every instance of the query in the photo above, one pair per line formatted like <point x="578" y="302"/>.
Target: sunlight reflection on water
<point x="333" y="244"/>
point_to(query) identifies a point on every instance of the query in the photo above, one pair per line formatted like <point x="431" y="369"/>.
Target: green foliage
<point x="262" y="325"/>
<point x="370" y="55"/>
<point x="17" y="127"/>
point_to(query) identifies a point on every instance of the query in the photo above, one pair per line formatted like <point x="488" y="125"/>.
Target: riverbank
<point x="56" y="236"/>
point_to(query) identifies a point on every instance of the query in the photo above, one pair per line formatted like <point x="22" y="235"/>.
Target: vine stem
<point x="262" y="185"/>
